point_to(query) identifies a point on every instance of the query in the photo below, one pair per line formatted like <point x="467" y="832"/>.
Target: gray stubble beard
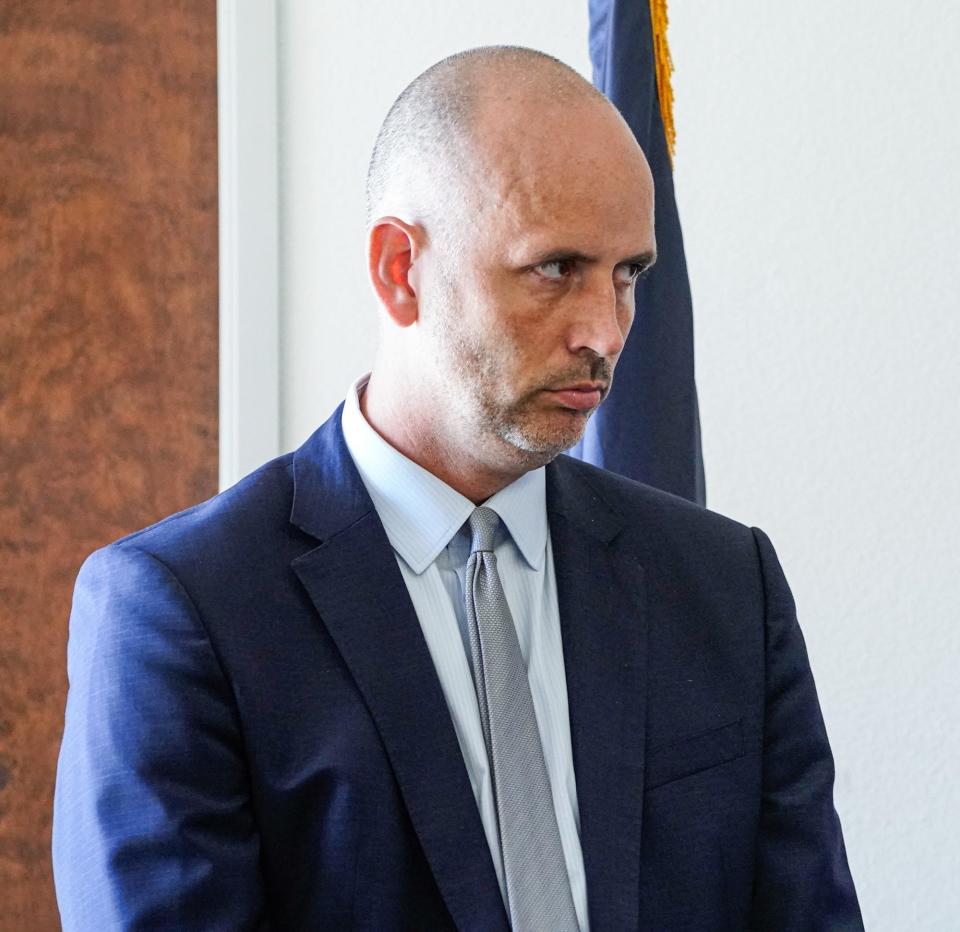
<point x="480" y="416"/>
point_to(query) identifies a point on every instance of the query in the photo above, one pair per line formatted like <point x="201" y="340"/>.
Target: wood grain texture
<point x="108" y="343"/>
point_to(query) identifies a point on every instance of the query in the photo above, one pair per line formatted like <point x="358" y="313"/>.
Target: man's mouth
<point x="580" y="396"/>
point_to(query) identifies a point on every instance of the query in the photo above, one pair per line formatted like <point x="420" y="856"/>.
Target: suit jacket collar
<point x="328" y="494"/>
<point x="357" y="588"/>
<point x="601" y="602"/>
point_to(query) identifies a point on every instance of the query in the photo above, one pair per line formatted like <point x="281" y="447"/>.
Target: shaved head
<point x="429" y="140"/>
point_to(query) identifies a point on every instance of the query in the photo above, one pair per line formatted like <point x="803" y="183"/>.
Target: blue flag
<point x="648" y="428"/>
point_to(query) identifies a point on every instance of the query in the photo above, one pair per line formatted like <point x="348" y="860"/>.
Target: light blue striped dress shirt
<point x="425" y="521"/>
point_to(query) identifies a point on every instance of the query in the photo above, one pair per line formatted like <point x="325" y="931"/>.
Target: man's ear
<point x="392" y="248"/>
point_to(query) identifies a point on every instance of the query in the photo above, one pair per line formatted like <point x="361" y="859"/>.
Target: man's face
<point x="532" y="296"/>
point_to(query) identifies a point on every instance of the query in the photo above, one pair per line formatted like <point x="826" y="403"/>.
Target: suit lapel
<point x="356" y="586"/>
<point x="599" y="590"/>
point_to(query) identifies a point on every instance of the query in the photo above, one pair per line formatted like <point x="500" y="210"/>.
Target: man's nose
<point x="601" y="321"/>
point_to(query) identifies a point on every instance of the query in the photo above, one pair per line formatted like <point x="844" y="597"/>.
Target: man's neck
<point x="417" y="441"/>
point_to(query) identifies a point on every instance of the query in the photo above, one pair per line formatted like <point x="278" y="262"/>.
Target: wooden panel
<point x="108" y="343"/>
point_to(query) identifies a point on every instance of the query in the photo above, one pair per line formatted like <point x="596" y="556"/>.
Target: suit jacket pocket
<point x="687" y="756"/>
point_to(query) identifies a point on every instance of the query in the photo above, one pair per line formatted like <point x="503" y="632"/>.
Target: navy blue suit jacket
<point x="256" y="736"/>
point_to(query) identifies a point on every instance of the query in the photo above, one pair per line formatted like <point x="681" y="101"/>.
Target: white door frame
<point x="249" y="253"/>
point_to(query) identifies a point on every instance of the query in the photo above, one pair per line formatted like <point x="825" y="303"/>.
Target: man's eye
<point x="555" y="270"/>
<point x="629" y="273"/>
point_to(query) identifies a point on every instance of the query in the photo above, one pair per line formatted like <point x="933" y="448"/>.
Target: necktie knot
<point x="483" y="526"/>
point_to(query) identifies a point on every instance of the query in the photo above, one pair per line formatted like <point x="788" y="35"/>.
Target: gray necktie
<point x="538" y="889"/>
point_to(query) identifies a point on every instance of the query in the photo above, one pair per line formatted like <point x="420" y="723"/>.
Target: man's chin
<point x="545" y="444"/>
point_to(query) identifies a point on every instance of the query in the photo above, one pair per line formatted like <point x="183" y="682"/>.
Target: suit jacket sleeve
<point x="802" y="881"/>
<point x="152" y="819"/>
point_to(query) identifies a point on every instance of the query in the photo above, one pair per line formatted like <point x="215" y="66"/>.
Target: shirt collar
<point x="420" y="512"/>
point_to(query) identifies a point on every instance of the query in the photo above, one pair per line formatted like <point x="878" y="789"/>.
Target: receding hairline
<point x="429" y="123"/>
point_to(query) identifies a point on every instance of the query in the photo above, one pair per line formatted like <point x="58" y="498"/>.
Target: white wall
<point x="817" y="179"/>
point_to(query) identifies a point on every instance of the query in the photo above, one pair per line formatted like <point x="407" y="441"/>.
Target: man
<point x="342" y="695"/>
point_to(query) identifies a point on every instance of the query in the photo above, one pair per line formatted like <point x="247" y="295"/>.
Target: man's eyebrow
<point x="643" y="259"/>
<point x="564" y="255"/>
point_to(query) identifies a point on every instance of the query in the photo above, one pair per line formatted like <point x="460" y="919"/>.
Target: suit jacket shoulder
<point x="639" y="503"/>
<point x="256" y="507"/>
<point x="689" y="554"/>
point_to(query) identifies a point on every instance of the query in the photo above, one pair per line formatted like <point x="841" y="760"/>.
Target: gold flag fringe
<point x="664" y="68"/>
